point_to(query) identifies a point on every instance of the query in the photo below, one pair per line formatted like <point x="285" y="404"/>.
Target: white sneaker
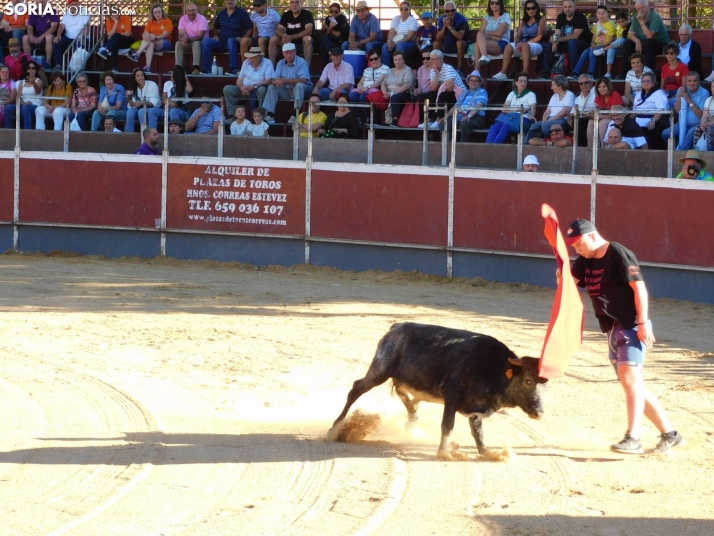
<point x="608" y="75"/>
<point x="484" y="59"/>
<point x="710" y="78"/>
<point x="292" y="120"/>
<point x="420" y="125"/>
<point x="270" y="119"/>
<point x="499" y="76"/>
<point x="434" y="125"/>
<point x="598" y="52"/>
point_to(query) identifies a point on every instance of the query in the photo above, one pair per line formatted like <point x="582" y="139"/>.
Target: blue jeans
<point x="209" y="46"/>
<point x="177" y="114"/>
<point x="542" y="127"/>
<point x="402" y="46"/>
<point x="685" y="143"/>
<point x="587" y="54"/>
<point x="325" y="93"/>
<point x="27" y="113"/>
<point x="615" y="48"/>
<point x="152" y="117"/>
<point x="98" y="118"/>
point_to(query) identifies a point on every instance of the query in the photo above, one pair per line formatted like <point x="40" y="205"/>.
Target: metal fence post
<point x="425" y="146"/>
<point x="519" y="150"/>
<point x="576" y="134"/>
<point x="308" y="187"/>
<point x="370" y="134"/>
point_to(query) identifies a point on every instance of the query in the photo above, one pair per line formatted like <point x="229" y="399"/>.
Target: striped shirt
<point x="266" y="25"/>
<point x="447" y="73"/>
<point x="403" y="27"/>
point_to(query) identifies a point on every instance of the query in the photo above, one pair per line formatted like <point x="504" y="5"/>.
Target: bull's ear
<point x="515" y="361"/>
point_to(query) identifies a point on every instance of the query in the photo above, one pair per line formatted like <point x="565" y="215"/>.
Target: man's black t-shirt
<point x="608" y="282"/>
<point x="578" y="22"/>
<point x="294" y="25"/>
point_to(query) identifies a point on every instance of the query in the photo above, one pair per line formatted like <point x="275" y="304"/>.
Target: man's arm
<point x="644" y="329"/>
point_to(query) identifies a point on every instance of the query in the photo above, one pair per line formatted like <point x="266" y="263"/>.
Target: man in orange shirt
<point x="118" y="36"/>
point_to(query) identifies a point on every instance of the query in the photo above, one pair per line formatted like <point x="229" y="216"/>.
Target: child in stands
<point x="259" y="128"/>
<point x="239" y="127"/>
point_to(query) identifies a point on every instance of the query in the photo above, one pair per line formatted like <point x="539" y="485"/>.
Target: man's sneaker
<point x="629" y="445"/>
<point x="133" y="56"/>
<point x="205" y="73"/>
<point x="233" y="72"/>
<point x="196" y="70"/>
<point x="292" y="120"/>
<point x="667" y="441"/>
<point x="147" y="70"/>
<point x="420" y="125"/>
<point x="499" y="76"/>
<point x="544" y="75"/>
<point x="710" y="78"/>
<point x="608" y="75"/>
<point x="484" y="59"/>
<point x="598" y="52"/>
<point x="621" y="76"/>
<point x="434" y="125"/>
<point x="574" y="76"/>
<point x="270" y="119"/>
<point x="103" y="53"/>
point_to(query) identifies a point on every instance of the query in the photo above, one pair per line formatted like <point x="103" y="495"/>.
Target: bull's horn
<point x="515" y="361"/>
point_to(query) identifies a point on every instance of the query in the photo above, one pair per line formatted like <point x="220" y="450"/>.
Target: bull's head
<point x="526" y="388"/>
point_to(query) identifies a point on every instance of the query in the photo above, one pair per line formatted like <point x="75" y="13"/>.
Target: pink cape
<point x="565" y="331"/>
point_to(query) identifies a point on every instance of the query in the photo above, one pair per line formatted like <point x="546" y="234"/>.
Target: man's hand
<point x="333" y="94"/>
<point x="278" y="82"/>
<point x="184" y="41"/>
<point x="57" y="39"/>
<point x="354" y="45"/>
<point x="286" y="39"/>
<point x="646" y="335"/>
<point x="447" y="23"/>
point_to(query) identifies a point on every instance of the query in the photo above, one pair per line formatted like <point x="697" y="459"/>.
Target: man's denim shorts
<point x="624" y="347"/>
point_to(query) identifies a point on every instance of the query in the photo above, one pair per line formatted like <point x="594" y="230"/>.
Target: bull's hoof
<point x="411" y="423"/>
<point x="334" y="432"/>
<point x="444" y="455"/>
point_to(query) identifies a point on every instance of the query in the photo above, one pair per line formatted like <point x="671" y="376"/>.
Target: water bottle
<point x="214" y="68"/>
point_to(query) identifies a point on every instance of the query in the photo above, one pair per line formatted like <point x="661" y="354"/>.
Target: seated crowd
<point x="265" y="50"/>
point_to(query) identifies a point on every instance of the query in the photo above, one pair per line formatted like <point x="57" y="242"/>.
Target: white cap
<point x="531" y="159"/>
<point x="287" y="47"/>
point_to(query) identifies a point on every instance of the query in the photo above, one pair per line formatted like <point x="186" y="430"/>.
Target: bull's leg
<point x="447" y="426"/>
<point x="476" y="423"/>
<point x="359" y="388"/>
<point x="410" y="404"/>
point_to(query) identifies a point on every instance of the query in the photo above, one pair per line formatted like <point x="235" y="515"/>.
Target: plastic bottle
<point x="214" y="67"/>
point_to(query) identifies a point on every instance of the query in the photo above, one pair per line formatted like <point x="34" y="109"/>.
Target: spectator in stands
<point x="291" y="81"/>
<point x="151" y="140"/>
<point x="509" y="121"/>
<point x="690" y="52"/>
<point x="14" y="25"/>
<point x="335" y="31"/>
<point x="614" y="140"/>
<point x="112" y="101"/>
<point x="451" y="30"/>
<point x="674" y="72"/>
<point x="142" y="95"/>
<point x="706" y="124"/>
<point x="648" y="34"/>
<point x="206" y="119"/>
<point x="176" y="126"/>
<point x="30" y="90"/>
<point x="16" y="59"/>
<point x="319" y="119"/>
<point x="119" y="36"/>
<point x="531" y="164"/>
<point x="371" y="81"/>
<point x="622" y="20"/>
<point x="232" y="23"/>
<point x="175" y="90"/>
<point x="338" y="77"/>
<point x="396" y="88"/>
<point x="259" y="128"/>
<point x="557" y="111"/>
<point x="265" y="23"/>
<point x="156" y="36"/>
<point x="402" y="33"/>
<point x="649" y="98"/>
<point x="469" y="115"/>
<point x="632" y="134"/>
<point x="192" y="28"/>
<point x="423" y="83"/>
<point x="7" y="91"/>
<point x="445" y="85"/>
<point x="239" y="127"/>
<point x="606" y="98"/>
<point x="75" y="23"/>
<point x="41" y="30"/>
<point x="252" y="83"/>
<point x="84" y="102"/>
<point x="585" y="102"/>
<point x="365" y="32"/>
<point x="426" y="33"/>
<point x="55" y="109"/>
<point x="633" y="80"/>
<point x="344" y="124"/>
<point x="604" y="32"/>
<point x="572" y="35"/>
<point x="693" y="167"/>
<point x="557" y="138"/>
<point x="494" y="34"/>
<point x="689" y="104"/>
<point x="296" y="27"/>
<point x="528" y="40"/>
<point x="110" y="124"/>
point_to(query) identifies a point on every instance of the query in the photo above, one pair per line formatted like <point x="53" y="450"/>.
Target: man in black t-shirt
<point x="610" y="273"/>
<point x="572" y="35"/>
<point x="295" y="27"/>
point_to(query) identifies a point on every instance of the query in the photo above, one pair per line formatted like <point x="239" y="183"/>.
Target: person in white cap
<point x="531" y="164"/>
<point x="291" y="81"/>
<point x="470" y="115"/>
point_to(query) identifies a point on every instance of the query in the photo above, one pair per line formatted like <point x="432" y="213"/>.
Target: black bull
<point x="471" y="373"/>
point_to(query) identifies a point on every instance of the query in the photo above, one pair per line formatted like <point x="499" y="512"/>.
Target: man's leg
<point x="307" y="49"/>
<point x="273" y="46"/>
<point x="650" y="48"/>
<point x="687" y="142"/>
<point x="270" y="101"/>
<point x="208" y="47"/>
<point x="179" y="51"/>
<point x="231" y="93"/>
<point x="233" y="53"/>
<point x="460" y="53"/>
<point x="325" y="93"/>
<point x="260" y="96"/>
<point x="196" y="51"/>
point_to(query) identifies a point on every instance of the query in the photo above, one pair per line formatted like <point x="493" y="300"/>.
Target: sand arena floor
<point x="164" y="397"/>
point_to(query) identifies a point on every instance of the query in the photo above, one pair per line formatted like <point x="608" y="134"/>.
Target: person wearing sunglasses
<point x="529" y="36"/>
<point x="572" y="35"/>
<point x="557" y="139"/>
<point x="30" y="91"/>
<point x="423" y="82"/>
<point x="585" y="102"/>
<point x="365" y="32"/>
<point x="402" y="33"/>
<point x="371" y="82"/>
<point x="451" y="30"/>
<point x="494" y="34"/>
<point x="673" y="72"/>
<point x="265" y="22"/>
<point x="335" y="31"/>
